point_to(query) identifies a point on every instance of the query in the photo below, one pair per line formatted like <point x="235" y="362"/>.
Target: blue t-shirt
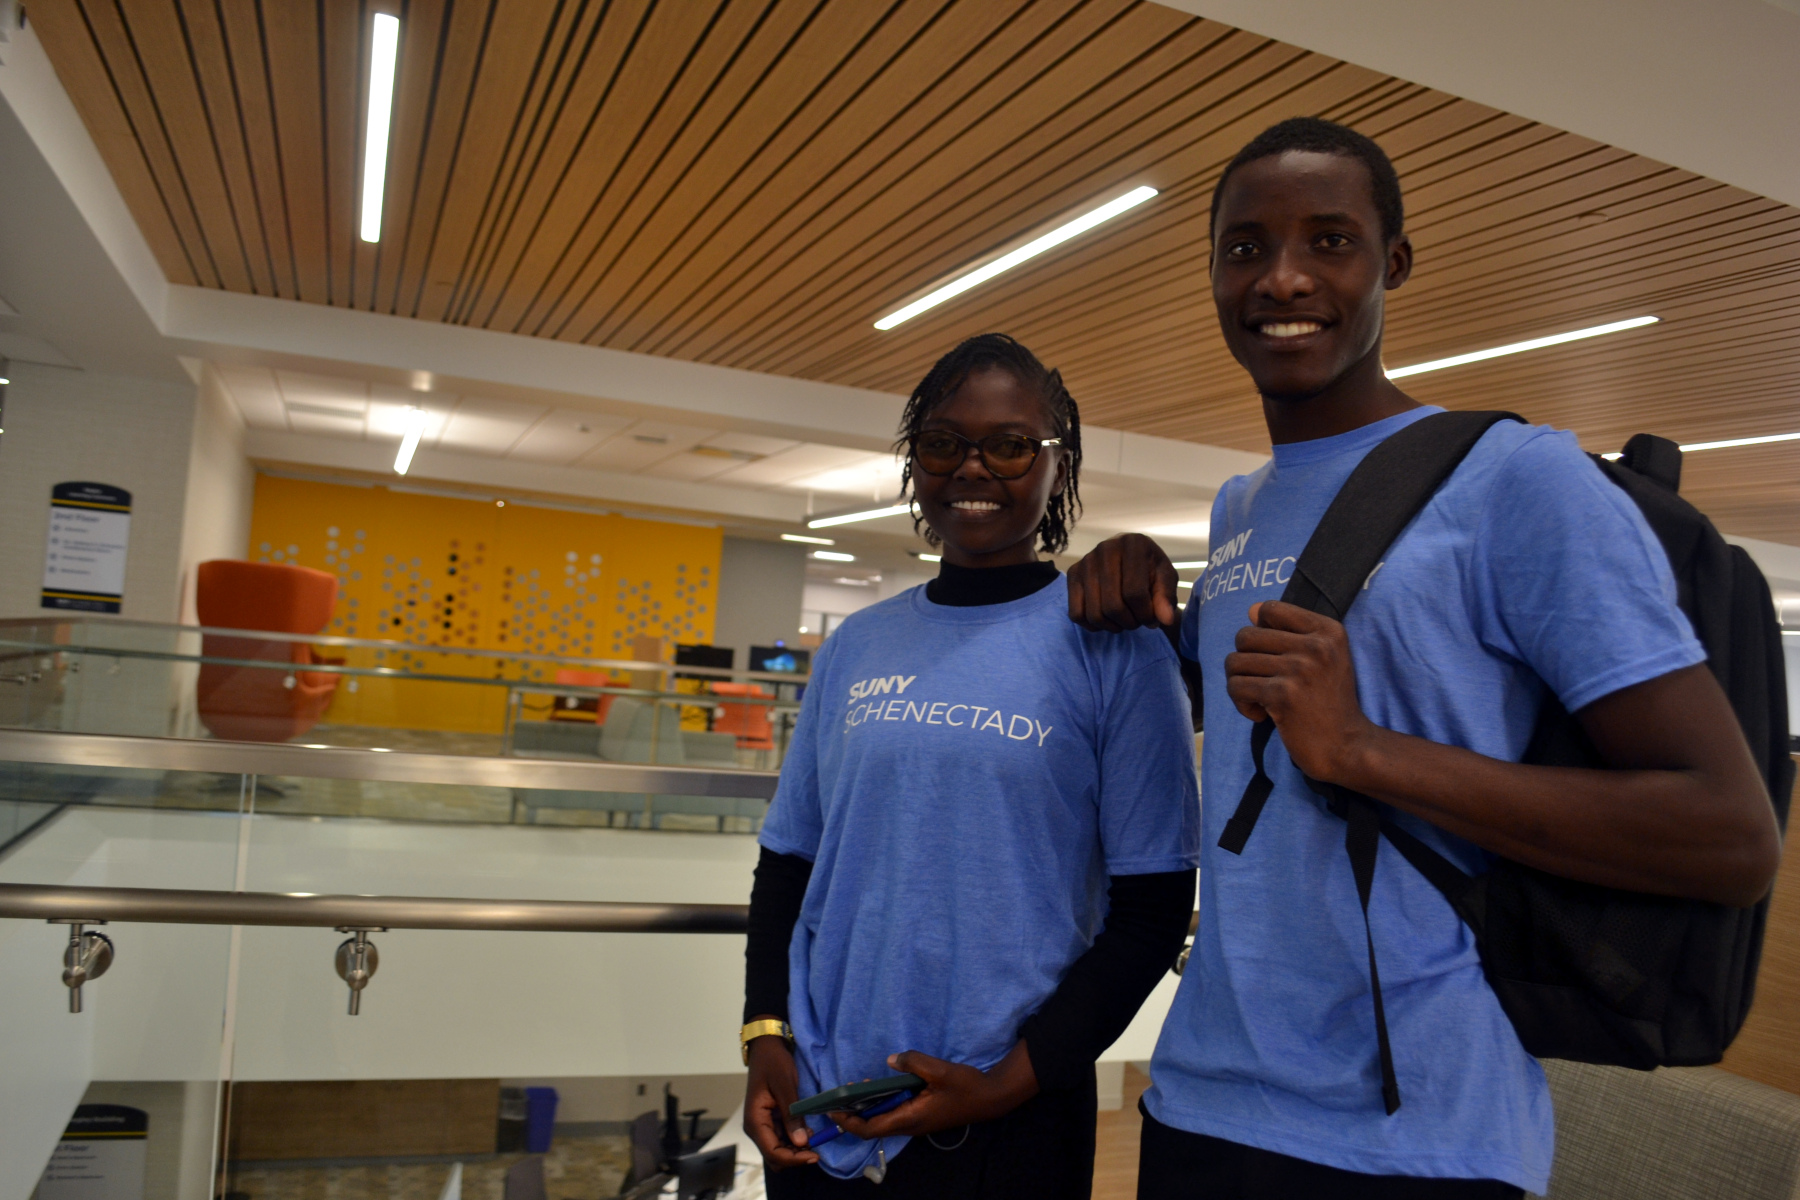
<point x="1527" y="569"/>
<point x="964" y="780"/>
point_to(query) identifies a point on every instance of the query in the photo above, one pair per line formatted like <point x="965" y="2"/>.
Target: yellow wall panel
<point x="453" y="573"/>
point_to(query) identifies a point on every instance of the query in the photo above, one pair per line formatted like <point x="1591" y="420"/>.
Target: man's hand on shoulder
<point x="1126" y="582"/>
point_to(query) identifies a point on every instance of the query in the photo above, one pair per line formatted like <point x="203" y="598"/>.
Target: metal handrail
<point x="90" y="953"/>
<point x="397" y="766"/>
<point x="169" y="906"/>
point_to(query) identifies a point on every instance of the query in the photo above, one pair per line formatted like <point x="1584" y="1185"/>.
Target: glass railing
<point x="41" y="771"/>
<point x="145" y="680"/>
<point x="285" y="992"/>
<point x="280" y="997"/>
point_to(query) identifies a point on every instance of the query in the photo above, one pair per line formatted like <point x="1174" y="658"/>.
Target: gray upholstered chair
<point x="1684" y="1133"/>
<point x="632" y="734"/>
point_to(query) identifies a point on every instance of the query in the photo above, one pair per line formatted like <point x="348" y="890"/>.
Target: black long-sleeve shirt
<point x="1147" y="915"/>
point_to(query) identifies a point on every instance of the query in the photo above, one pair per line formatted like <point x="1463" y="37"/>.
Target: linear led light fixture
<point x="384" y="50"/>
<point x="1555" y="339"/>
<point x="1749" y="441"/>
<point x="813" y="541"/>
<point x="833" y="556"/>
<point x="1029" y="250"/>
<point x="931" y="558"/>
<point x="415" y="427"/>
<point x="1189" y="566"/>
<point x="1727" y="444"/>
<point x="873" y="514"/>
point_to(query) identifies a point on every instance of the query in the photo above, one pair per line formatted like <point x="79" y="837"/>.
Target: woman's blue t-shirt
<point x="1528" y="568"/>
<point x="964" y="780"/>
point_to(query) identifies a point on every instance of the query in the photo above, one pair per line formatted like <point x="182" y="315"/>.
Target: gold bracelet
<point x="763" y="1028"/>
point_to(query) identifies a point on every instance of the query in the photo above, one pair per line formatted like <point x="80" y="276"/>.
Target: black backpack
<point x="1588" y="973"/>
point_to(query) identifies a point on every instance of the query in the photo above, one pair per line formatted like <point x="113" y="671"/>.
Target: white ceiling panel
<point x="309" y="418"/>
<point x="564" y="435"/>
<point x="388" y="419"/>
<point x="638" y="446"/>
<point x="488" y="426"/>
<point x="691" y="465"/>
<point x="872" y="476"/>
<point x="323" y="391"/>
<point x="750" y="443"/>
<point x="808" y="458"/>
<point x="254" y="392"/>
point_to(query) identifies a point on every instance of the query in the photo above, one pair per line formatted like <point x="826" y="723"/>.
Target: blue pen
<point x="837" y="1131"/>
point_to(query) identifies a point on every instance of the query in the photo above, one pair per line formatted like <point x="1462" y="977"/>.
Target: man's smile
<point x="1287" y="330"/>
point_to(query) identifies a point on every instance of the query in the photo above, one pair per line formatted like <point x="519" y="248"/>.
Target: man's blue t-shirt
<point x="964" y="780"/>
<point x="1527" y="569"/>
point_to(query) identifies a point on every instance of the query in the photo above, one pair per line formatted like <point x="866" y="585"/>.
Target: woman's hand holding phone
<point x="954" y="1094"/>
<point x="774" y="1084"/>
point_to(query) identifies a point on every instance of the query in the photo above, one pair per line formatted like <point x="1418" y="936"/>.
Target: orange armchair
<point x="263" y="704"/>
<point x="750" y="722"/>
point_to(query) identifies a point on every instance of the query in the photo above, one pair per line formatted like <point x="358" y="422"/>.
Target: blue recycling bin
<point x="540" y="1119"/>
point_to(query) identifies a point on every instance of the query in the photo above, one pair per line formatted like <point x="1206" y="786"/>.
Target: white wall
<point x="1790" y="646"/>
<point x="894" y="582"/>
<point x="64" y="425"/>
<point x="221" y="486"/>
<point x="837" y="598"/>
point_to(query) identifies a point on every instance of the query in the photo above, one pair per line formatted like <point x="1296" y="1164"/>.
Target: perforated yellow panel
<point x="446" y="572"/>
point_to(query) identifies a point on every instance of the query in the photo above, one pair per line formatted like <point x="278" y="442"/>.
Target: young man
<point x="1527" y="575"/>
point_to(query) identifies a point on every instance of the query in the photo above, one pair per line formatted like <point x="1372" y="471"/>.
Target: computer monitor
<point x="788" y="660"/>
<point x="706" y="1174"/>
<point x="718" y="657"/>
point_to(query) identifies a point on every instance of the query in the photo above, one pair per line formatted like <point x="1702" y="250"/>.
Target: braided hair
<point x="985" y="351"/>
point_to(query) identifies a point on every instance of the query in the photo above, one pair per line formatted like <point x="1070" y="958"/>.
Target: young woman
<point x="980" y="858"/>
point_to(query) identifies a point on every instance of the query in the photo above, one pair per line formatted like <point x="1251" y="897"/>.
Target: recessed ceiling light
<point x="1555" y="339"/>
<point x="872" y="514"/>
<point x="833" y="556"/>
<point x="1189" y="566"/>
<point x="931" y="558"/>
<point x="384" y="50"/>
<point x="1187" y="583"/>
<point x="854" y="582"/>
<point x="415" y="428"/>
<point x="1029" y="250"/>
<point x="811" y="541"/>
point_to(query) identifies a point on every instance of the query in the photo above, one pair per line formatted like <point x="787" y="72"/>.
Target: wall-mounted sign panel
<point x="100" y="1156"/>
<point x="84" y="558"/>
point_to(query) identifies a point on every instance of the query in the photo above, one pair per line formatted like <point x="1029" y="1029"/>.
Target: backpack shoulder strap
<point x="1386" y="491"/>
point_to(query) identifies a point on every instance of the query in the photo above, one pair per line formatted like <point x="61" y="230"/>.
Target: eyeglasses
<point x="1005" y="455"/>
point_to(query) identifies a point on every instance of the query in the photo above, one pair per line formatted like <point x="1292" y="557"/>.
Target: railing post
<point x="357" y="960"/>
<point x="85" y="958"/>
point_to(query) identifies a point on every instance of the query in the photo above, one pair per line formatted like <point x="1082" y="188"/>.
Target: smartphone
<point x="855" y="1097"/>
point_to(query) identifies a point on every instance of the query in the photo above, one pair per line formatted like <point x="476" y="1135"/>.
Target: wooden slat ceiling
<point x="753" y="182"/>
